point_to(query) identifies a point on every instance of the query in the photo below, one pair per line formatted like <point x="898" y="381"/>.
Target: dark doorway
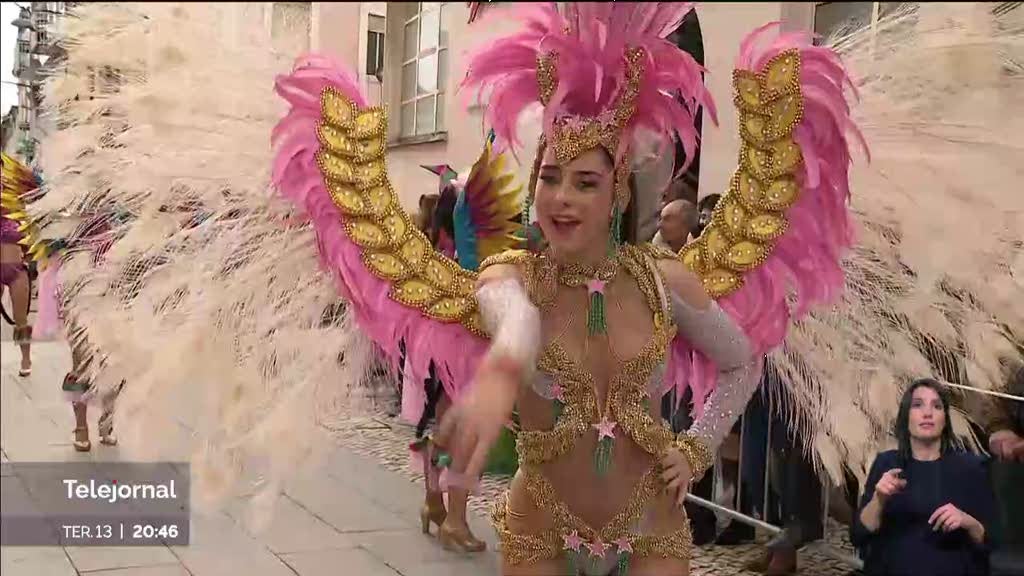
<point x="688" y="37"/>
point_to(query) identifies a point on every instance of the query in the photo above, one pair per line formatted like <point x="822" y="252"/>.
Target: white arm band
<point x="512" y="320"/>
<point x="715" y="334"/>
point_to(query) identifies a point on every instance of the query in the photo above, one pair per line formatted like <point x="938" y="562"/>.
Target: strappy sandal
<point x="82" y="445"/>
<point x="107" y="437"/>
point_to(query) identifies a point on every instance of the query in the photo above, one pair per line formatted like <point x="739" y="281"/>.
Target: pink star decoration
<point x="572" y="541"/>
<point x="605" y="429"/>
<point x="623" y="545"/>
<point x="558" y="393"/>
<point x="598" y="548"/>
<point x="595" y="286"/>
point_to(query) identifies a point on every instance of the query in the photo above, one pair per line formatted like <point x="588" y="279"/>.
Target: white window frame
<point x="418" y="99"/>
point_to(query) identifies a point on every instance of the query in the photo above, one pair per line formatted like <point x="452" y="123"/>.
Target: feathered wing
<point x="487" y="211"/>
<point x="210" y="302"/>
<point x="774" y="245"/>
<point x="929" y="288"/>
<point x="331" y="163"/>
<point x="934" y="283"/>
<point x="18" y="187"/>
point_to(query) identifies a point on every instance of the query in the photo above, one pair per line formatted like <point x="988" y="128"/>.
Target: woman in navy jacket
<point x="927" y="507"/>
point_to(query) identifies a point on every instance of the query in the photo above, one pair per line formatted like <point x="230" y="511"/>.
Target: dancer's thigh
<point x="526" y="518"/>
<point x="20" y="298"/>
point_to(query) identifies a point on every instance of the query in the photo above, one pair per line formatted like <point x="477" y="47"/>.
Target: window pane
<point x="407" y="119"/>
<point x="836" y="17"/>
<point x="380" y="53"/>
<point x="425" y="115"/>
<point x="371" y="53"/>
<point x="424" y="6"/>
<point x="427" y="77"/>
<point x="429" y="29"/>
<point x="441" y="125"/>
<point x="442" y="70"/>
<point x="409" y="50"/>
<point x="446" y="23"/>
<point x="408" y="81"/>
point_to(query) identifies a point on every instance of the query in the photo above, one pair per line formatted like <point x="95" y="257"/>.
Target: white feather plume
<point x="218" y="323"/>
<point x="931" y="286"/>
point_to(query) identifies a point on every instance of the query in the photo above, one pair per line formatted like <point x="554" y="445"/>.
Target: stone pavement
<point x="332" y="523"/>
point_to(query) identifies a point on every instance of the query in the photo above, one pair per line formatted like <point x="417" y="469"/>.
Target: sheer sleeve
<point x="715" y="334"/>
<point x="512" y="320"/>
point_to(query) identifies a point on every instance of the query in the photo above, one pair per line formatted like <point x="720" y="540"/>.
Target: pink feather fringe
<point x="386" y="322"/>
<point x="48" y="324"/>
<point x="807" y="258"/>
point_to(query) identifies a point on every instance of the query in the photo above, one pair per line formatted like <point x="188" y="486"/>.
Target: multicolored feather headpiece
<point x="604" y="74"/>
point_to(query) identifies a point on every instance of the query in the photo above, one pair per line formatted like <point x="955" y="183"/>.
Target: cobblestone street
<point x="334" y="522"/>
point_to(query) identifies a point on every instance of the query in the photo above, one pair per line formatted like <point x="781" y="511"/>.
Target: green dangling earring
<point x="531" y="235"/>
<point x="615" y="238"/>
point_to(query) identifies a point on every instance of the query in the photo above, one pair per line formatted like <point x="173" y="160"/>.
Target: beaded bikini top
<point x="571" y="387"/>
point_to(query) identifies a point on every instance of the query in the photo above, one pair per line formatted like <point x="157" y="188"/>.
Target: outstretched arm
<point x="514" y="324"/>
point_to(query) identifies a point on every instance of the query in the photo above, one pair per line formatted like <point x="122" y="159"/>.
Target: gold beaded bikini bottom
<point x="589" y="550"/>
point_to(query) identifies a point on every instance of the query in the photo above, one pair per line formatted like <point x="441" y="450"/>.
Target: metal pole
<point x="767" y="462"/>
<point x="733" y="514"/>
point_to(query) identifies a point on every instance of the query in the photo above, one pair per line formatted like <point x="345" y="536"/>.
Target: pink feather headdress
<point x="603" y="72"/>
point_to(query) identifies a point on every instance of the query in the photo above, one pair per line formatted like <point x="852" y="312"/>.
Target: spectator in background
<point x="794" y="498"/>
<point x="678" y="221"/>
<point x="1005" y="424"/>
<point x="704" y="210"/>
<point x="682" y="188"/>
<point x="926" y="507"/>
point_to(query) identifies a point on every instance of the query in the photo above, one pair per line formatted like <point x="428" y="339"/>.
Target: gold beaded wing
<point x="17" y="182"/>
<point x="352" y="161"/>
<point x="751" y="215"/>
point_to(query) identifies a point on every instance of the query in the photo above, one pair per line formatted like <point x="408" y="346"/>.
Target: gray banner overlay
<point x="94" y="504"/>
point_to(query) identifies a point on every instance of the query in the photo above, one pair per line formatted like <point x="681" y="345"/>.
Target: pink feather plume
<point x="806" y="261"/>
<point x="297" y="176"/>
<point x="591" y="39"/>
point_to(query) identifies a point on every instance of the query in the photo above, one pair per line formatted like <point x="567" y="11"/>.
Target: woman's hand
<point x="1007" y="445"/>
<point x="949" y="518"/>
<point x="677" y="474"/>
<point x="888" y="485"/>
<point x="473" y="425"/>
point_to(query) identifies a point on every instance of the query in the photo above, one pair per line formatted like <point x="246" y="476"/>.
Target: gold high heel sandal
<point x="459" y="540"/>
<point x="107" y="437"/>
<point x="82" y="445"/>
<point x="432" y="515"/>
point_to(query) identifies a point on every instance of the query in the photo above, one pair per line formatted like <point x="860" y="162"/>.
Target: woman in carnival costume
<point x="473" y="219"/>
<point x="584" y="336"/>
<point x="18" y="183"/>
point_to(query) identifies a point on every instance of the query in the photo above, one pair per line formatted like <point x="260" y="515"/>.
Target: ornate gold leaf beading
<point x="751" y="214"/>
<point x="352" y="161"/>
